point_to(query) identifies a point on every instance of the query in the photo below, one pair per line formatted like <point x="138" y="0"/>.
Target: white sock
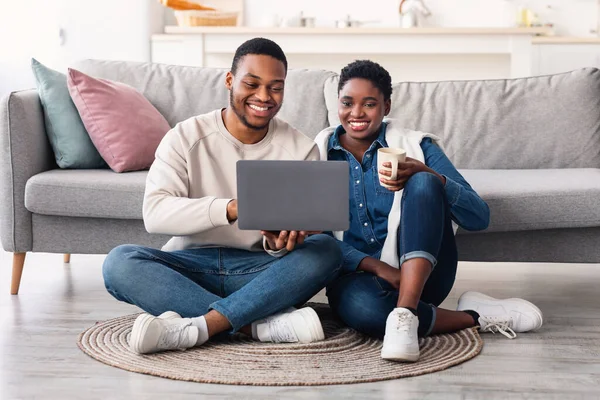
<point x="200" y="323"/>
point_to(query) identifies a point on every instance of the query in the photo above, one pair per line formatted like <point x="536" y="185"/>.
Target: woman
<point x="400" y="255"/>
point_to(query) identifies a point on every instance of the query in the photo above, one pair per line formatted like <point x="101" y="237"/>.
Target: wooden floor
<point x="40" y="359"/>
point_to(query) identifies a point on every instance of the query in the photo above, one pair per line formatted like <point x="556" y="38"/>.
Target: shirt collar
<point x="381" y="138"/>
<point x="334" y="139"/>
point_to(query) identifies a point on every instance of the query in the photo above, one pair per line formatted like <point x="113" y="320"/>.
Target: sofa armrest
<point x="24" y="152"/>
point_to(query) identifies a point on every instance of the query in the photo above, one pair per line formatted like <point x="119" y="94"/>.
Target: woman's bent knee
<point x="424" y="182"/>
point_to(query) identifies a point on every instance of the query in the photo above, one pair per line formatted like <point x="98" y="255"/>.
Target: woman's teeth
<point x="358" y="124"/>
<point x="257" y="108"/>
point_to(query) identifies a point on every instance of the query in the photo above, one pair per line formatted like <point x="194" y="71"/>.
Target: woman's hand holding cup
<point x="394" y="168"/>
<point x="389" y="162"/>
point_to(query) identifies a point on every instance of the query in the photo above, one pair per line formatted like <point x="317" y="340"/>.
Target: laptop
<point x="293" y="195"/>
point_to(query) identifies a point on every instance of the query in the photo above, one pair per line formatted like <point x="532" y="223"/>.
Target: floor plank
<point x="40" y="359"/>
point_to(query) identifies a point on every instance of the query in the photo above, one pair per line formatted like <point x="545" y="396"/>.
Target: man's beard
<point x="242" y="117"/>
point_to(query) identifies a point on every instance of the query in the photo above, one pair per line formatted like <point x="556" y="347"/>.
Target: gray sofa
<point x="530" y="147"/>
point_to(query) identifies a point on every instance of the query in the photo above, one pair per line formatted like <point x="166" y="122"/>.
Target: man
<point x="215" y="276"/>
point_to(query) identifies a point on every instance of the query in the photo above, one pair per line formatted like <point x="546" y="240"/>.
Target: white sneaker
<point x="506" y="316"/>
<point x="169" y="315"/>
<point x="301" y="325"/>
<point x="168" y="332"/>
<point x="401" y="340"/>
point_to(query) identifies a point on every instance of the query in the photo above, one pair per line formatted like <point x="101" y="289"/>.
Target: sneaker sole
<point x="313" y="323"/>
<point x="476" y="296"/>
<point x="140" y="326"/>
<point x="392" y="355"/>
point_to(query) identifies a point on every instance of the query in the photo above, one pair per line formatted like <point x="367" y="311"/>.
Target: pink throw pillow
<point x="123" y="125"/>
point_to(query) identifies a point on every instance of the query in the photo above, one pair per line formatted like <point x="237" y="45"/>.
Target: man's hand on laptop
<point x="286" y="239"/>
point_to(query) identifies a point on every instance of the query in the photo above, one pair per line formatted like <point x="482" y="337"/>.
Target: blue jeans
<point x="243" y="286"/>
<point x="363" y="300"/>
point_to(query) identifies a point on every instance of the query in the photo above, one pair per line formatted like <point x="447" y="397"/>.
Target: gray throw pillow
<point x="70" y="142"/>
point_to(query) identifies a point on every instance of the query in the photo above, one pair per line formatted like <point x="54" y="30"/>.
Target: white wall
<point x="22" y="35"/>
<point x="120" y="29"/>
<point x="107" y="29"/>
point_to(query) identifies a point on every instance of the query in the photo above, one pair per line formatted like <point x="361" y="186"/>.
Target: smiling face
<point x="256" y="90"/>
<point x="361" y="109"/>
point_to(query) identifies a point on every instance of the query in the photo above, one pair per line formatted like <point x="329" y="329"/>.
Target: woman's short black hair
<point x="259" y="46"/>
<point x="371" y="71"/>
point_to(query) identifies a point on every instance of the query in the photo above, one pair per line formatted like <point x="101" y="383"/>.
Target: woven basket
<point x="206" y="18"/>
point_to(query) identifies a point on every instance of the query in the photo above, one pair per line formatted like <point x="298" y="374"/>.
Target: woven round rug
<point x="345" y="356"/>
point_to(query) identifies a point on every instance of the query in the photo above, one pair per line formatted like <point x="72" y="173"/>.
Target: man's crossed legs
<point x="221" y="290"/>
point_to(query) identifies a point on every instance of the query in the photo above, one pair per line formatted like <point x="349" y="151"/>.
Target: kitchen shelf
<point x="358" y="31"/>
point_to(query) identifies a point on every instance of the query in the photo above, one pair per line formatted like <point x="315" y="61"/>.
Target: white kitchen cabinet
<point x="563" y="57"/>
<point x="422" y="54"/>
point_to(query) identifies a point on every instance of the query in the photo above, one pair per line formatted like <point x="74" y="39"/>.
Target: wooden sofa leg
<point x="67" y="258"/>
<point x="17" y="271"/>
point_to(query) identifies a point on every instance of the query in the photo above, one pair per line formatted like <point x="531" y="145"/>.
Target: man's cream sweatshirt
<point x="193" y="178"/>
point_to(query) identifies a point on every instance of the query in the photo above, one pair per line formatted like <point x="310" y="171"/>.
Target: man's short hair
<point x="259" y="46"/>
<point x="371" y="71"/>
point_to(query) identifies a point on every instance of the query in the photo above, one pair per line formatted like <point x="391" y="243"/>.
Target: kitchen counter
<point x="566" y="40"/>
<point x="355" y="31"/>
<point x="407" y="53"/>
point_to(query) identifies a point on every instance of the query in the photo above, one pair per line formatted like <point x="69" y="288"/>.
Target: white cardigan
<point x="395" y="136"/>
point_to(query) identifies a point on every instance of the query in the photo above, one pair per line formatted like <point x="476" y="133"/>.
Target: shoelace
<point x="402" y="323"/>
<point x="281" y="331"/>
<point x="173" y="336"/>
<point x="498" y="325"/>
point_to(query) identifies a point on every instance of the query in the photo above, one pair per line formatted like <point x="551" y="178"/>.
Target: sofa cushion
<point x="70" y="142"/>
<point x="86" y="193"/>
<point x="125" y="128"/>
<point x="518" y="199"/>
<point x="528" y="123"/>
<point x="539" y="199"/>
<point x="181" y="92"/>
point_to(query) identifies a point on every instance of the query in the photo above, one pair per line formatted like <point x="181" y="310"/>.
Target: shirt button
<point x="357" y="182"/>
<point x="366" y="224"/>
<point x="360" y="205"/>
<point x="355" y="167"/>
<point x="372" y="240"/>
<point x="368" y="156"/>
